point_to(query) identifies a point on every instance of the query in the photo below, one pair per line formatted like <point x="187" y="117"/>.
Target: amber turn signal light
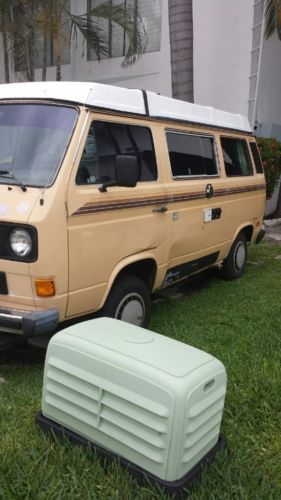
<point x="45" y="288"/>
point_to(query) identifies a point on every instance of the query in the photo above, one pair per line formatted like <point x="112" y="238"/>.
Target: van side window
<point x="256" y="157"/>
<point x="236" y="157"/>
<point x="191" y="155"/>
<point x="105" y="141"/>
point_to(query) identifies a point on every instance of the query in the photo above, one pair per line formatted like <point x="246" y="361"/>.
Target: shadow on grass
<point x="22" y="355"/>
<point x="188" y="286"/>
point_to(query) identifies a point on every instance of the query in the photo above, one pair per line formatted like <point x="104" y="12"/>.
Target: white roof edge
<point x="85" y="93"/>
<point x="161" y="106"/>
<point x="125" y="100"/>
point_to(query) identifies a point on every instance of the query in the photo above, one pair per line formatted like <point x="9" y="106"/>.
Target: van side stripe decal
<point x="245" y="189"/>
<point x="90" y="208"/>
<point x="218" y="192"/>
<point x="119" y="205"/>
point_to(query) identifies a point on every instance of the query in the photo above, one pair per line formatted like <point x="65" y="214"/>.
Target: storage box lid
<point x="162" y="353"/>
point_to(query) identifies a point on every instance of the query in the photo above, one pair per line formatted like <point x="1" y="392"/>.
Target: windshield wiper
<point x="4" y="173"/>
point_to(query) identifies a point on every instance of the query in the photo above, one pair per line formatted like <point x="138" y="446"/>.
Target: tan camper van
<point x="108" y="194"/>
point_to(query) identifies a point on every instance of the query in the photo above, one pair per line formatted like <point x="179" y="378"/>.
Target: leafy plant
<point x="270" y="151"/>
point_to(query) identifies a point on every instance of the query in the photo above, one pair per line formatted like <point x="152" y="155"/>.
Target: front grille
<point x="114" y="413"/>
<point x="3" y="284"/>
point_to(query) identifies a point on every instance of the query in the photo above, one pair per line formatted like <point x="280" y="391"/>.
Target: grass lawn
<point x="239" y="322"/>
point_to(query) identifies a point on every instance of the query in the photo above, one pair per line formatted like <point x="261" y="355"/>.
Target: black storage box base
<point x="142" y="476"/>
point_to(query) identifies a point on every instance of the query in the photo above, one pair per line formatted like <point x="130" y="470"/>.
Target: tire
<point x="234" y="264"/>
<point x="129" y="301"/>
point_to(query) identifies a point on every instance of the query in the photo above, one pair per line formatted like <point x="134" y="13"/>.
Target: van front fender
<point x="143" y="265"/>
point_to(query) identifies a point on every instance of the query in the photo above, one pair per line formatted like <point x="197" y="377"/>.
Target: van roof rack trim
<point x="136" y="101"/>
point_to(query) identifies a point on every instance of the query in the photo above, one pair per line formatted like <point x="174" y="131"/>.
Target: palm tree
<point x="181" y="33"/>
<point x="23" y="33"/>
<point x="50" y="17"/>
<point x="4" y="20"/>
<point x="272" y="13"/>
<point x="7" y="30"/>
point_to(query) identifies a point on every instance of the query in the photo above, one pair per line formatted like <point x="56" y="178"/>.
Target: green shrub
<point x="270" y="151"/>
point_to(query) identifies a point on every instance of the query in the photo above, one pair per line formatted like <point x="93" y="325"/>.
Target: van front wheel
<point x="129" y="301"/>
<point x="234" y="264"/>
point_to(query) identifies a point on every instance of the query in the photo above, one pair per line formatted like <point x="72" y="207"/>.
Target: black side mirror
<point x="127" y="172"/>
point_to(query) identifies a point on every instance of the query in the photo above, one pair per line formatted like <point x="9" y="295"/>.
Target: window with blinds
<point x="146" y="11"/>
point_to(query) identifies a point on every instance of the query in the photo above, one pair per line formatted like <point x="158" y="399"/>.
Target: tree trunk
<point x="181" y="42"/>
<point x="45" y="54"/>
<point x="30" y="57"/>
<point x="57" y="43"/>
<point x="6" y="55"/>
<point x="29" y="36"/>
<point x="57" y="15"/>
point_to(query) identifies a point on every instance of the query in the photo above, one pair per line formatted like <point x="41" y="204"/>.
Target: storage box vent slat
<point x="69" y="371"/>
<point x="135" y="427"/>
<point x="206" y="402"/>
<point x="195" y="422"/>
<point x="194" y="438"/>
<point x="196" y="450"/>
<point x="70" y="388"/>
<point x="79" y="416"/>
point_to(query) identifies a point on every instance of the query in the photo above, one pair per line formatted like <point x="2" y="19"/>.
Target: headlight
<point x="20" y="242"/>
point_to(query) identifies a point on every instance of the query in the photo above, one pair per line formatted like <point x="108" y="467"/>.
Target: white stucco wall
<point x="222" y="53"/>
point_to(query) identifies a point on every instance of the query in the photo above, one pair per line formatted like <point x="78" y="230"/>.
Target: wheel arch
<point x="247" y="230"/>
<point x="144" y="267"/>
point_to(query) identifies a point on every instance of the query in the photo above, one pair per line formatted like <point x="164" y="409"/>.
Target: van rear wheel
<point x="234" y="264"/>
<point x="129" y="301"/>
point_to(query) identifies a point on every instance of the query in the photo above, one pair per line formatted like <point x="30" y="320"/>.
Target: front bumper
<point x="28" y="323"/>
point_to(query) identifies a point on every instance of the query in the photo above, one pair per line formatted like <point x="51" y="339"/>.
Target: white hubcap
<point x="240" y="256"/>
<point x="131" y="309"/>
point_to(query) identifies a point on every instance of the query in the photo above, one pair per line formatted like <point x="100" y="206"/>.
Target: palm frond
<point x="272" y="14"/>
<point x="129" y="20"/>
<point x="91" y="32"/>
<point x="125" y="17"/>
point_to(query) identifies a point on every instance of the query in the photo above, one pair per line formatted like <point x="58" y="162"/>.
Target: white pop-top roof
<point x="126" y="100"/>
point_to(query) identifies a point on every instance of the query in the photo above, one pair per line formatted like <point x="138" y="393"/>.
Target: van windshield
<point x="33" y="140"/>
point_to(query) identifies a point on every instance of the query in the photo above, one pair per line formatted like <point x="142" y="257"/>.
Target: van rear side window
<point x="191" y="155"/>
<point x="236" y="157"/>
<point x="256" y="157"/>
<point x="105" y="141"/>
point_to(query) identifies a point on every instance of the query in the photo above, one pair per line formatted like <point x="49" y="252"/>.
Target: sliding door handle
<point x="160" y="210"/>
<point x="209" y="191"/>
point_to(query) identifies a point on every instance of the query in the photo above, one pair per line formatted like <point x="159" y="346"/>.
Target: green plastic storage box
<point x="154" y="402"/>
